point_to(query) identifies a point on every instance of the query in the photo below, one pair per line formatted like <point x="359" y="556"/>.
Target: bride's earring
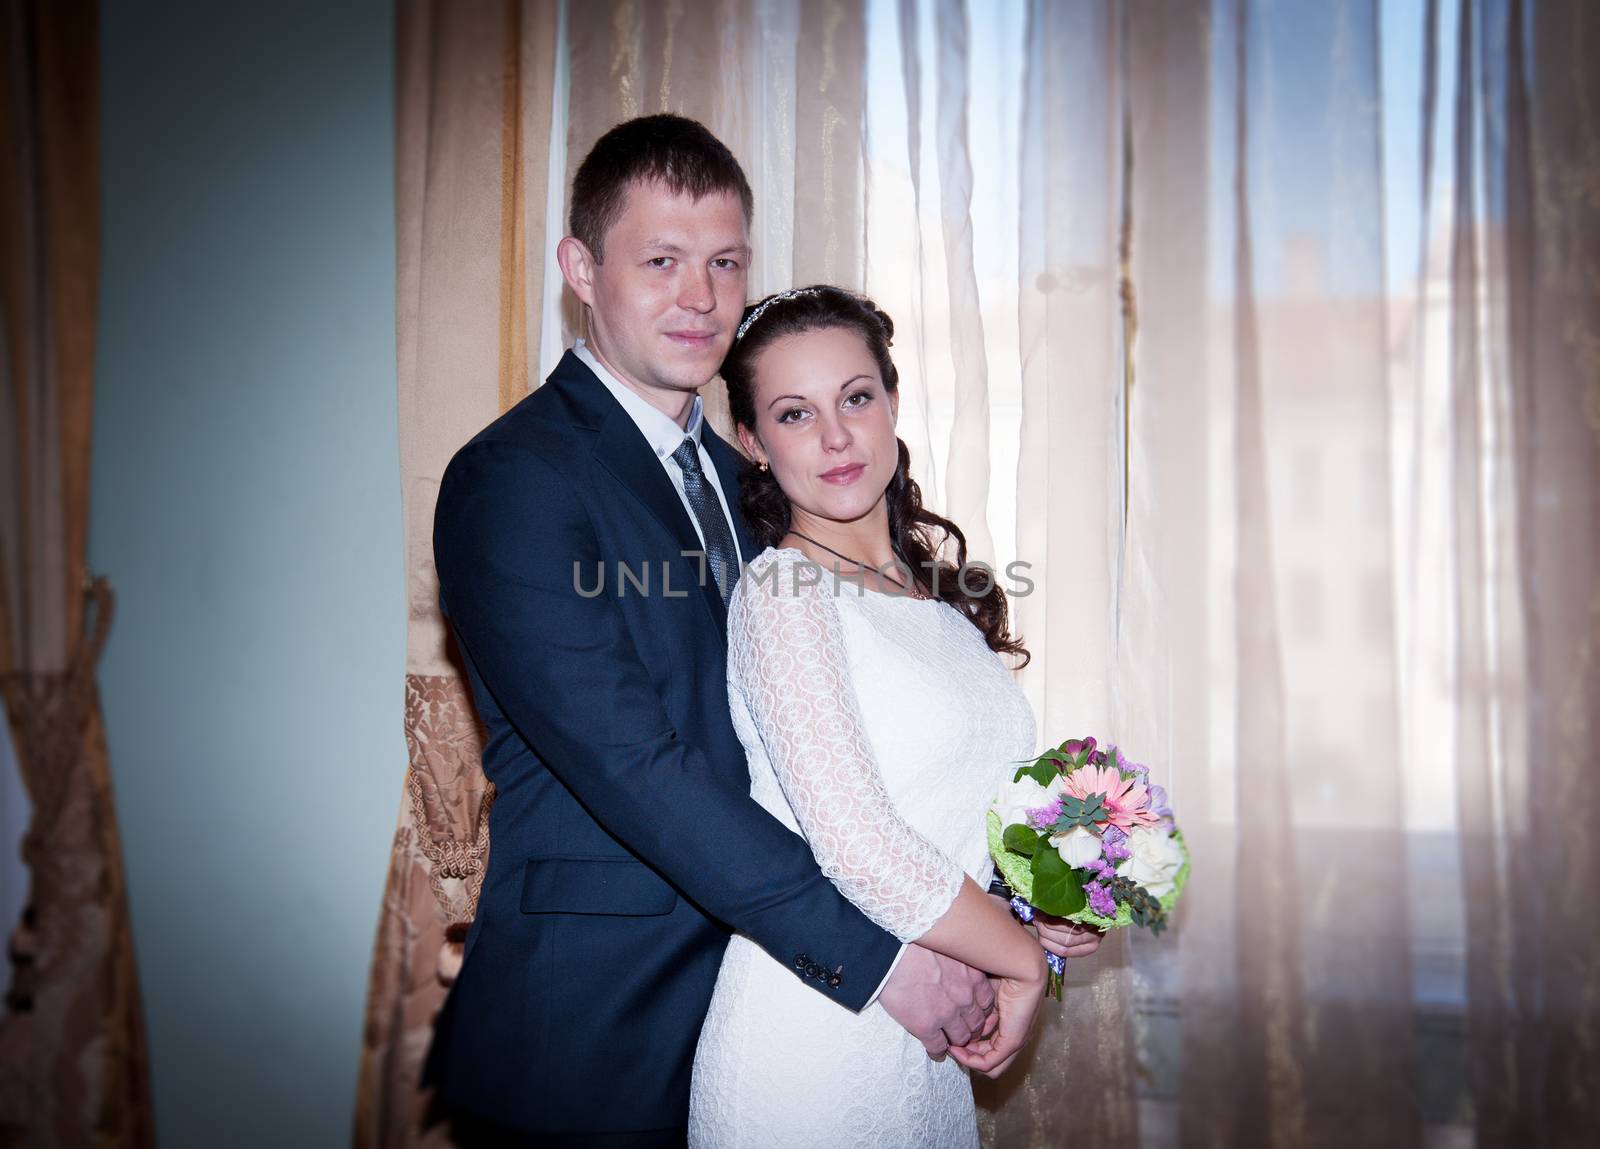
<point x="762" y="467"/>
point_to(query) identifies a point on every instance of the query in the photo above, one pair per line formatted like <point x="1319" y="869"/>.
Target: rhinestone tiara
<point x="761" y="308"/>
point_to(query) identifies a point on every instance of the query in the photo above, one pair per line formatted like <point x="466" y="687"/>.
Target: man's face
<point x="665" y="302"/>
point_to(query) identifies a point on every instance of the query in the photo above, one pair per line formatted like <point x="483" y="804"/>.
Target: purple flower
<point x="1043" y="817"/>
<point x="1075" y="746"/>
<point x="1114" y="845"/>
<point x="1160" y="804"/>
<point x="1100" y="900"/>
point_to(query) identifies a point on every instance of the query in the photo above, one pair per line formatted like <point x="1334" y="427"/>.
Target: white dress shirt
<point x="664" y="437"/>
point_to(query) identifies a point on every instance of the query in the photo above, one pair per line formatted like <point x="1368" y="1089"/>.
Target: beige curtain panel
<point x="474" y="92"/>
<point x="73" y="1068"/>
<point x="1307" y="493"/>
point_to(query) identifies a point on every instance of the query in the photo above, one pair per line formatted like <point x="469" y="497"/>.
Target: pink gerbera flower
<point x="1126" y="799"/>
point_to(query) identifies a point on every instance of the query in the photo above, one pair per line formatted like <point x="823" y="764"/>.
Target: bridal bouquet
<point x="1082" y="834"/>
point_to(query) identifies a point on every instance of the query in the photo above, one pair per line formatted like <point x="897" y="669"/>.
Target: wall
<point x="246" y="508"/>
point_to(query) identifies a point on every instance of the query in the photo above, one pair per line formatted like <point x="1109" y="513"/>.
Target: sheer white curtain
<point x="1257" y="309"/>
<point x="1302" y="345"/>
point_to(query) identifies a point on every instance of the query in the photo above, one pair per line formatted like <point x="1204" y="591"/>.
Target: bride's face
<point x="824" y="423"/>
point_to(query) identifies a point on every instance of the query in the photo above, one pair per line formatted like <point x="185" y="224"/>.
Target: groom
<point x="587" y="544"/>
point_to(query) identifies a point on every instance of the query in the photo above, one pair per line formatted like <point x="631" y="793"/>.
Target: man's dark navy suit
<point x="623" y="832"/>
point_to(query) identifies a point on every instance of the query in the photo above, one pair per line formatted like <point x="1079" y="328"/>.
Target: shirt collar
<point x="659" y="431"/>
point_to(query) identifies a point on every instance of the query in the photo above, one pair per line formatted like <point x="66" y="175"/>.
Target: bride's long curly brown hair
<point x="919" y="537"/>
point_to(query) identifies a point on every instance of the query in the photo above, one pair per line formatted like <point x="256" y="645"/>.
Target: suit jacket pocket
<point x="595" y="886"/>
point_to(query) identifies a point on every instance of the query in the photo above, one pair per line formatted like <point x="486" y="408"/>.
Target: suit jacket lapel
<point x="621" y="448"/>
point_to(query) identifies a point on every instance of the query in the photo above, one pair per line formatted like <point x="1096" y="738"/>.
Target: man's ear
<point x="577" y="267"/>
<point x="751" y="445"/>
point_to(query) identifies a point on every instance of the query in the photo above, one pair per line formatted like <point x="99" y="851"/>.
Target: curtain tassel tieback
<point x="49" y="714"/>
<point x="452" y="858"/>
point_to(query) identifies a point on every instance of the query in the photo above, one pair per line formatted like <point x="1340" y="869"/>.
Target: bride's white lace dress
<point x="879" y="727"/>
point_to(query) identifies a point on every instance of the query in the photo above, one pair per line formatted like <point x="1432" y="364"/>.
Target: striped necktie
<point x="720" y="551"/>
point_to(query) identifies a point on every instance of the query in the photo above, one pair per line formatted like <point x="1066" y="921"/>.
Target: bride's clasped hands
<point x="1017" y="1000"/>
<point x="1016" y="1012"/>
<point x="981" y="931"/>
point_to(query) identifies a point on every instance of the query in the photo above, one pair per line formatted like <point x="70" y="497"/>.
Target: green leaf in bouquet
<point x="1021" y="840"/>
<point x="1057" y="888"/>
<point x="1041" y="772"/>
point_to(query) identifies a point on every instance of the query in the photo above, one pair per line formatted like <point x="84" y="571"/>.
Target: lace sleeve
<point x="786" y="659"/>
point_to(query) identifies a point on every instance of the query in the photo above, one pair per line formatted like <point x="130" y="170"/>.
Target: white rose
<point x="1078" y="846"/>
<point x="1017" y="798"/>
<point x="1156" y="859"/>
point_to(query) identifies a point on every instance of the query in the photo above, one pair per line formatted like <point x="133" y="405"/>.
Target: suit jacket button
<point x="835" y="980"/>
<point x="811" y="969"/>
<point x="800" y="961"/>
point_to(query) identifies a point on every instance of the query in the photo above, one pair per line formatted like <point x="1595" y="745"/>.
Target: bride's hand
<point x="1066" y="939"/>
<point x="1018" y="1007"/>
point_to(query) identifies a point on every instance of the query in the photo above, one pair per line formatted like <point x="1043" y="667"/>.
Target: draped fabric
<point x="1067" y="486"/>
<point x="1310" y="962"/>
<point x="1262" y="336"/>
<point x="73" y="1067"/>
<point x="1524" y="390"/>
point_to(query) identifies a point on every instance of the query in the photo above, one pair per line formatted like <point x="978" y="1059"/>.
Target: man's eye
<point x="661" y="261"/>
<point x="726" y="264"/>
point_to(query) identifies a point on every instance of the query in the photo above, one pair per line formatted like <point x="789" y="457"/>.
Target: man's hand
<point x="1018" y="1008"/>
<point x="1066" y="939"/>
<point x="938" y="1000"/>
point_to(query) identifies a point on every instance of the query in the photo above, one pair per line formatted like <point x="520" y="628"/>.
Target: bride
<point x="879" y="720"/>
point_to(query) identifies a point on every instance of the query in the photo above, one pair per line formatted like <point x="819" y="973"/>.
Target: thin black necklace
<point x="854" y="562"/>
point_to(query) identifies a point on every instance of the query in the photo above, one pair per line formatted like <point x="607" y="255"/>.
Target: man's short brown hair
<point x="673" y="151"/>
